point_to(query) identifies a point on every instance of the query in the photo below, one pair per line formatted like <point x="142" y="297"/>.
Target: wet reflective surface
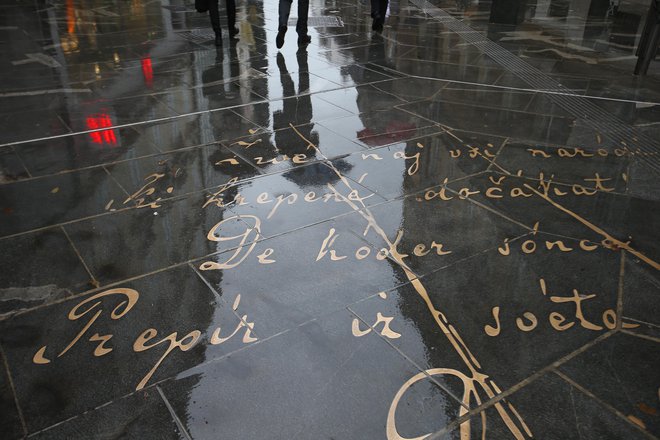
<point x="447" y="229"/>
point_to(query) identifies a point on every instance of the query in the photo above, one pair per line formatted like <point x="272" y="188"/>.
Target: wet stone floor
<point x="444" y="230"/>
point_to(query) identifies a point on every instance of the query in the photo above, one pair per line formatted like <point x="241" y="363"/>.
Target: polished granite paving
<point x="447" y="230"/>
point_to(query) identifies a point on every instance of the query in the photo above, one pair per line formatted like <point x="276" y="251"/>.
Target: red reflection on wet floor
<point x="395" y="131"/>
<point x="101" y="120"/>
<point x="147" y="72"/>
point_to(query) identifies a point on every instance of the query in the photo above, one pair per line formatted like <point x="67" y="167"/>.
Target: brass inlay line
<point x="615" y="242"/>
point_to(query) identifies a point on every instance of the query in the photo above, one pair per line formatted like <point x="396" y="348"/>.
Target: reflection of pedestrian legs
<point x="303" y="73"/>
<point x="214" y="14"/>
<point x="301" y="25"/>
<point x="378" y="11"/>
<point x="288" y="87"/>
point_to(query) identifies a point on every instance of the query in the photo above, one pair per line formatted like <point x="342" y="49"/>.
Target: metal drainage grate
<point x="197" y="35"/>
<point x="327" y="21"/>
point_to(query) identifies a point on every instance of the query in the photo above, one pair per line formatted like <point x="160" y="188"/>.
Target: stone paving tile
<point x="182" y="171"/>
<point x="571" y="210"/>
<point x="11" y="167"/>
<point x="121" y="348"/>
<point x="276" y="303"/>
<point x="556" y="409"/>
<point x="423" y="162"/>
<point x="101" y="240"/>
<point x="38" y="268"/>
<point x="140" y="415"/>
<point x="635" y="393"/>
<point x="10" y="424"/>
<point x="319" y="362"/>
<point x="639" y="288"/>
<point x="68" y="196"/>
<point x="83" y="150"/>
<point x="513" y="327"/>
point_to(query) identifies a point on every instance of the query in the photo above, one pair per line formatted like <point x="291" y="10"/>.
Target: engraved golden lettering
<point x="140" y="345"/>
<point x="412" y="169"/>
<point x="83" y="308"/>
<point x="420" y="250"/>
<point x="528" y="246"/>
<point x="290" y="199"/>
<point x="504" y="250"/>
<point x="556" y="320"/>
<point x="263" y="257"/>
<point x="263" y="198"/>
<point x="464" y="193"/>
<point x="299" y="158"/>
<point x="599" y="181"/>
<point x="584" y="245"/>
<point x="327" y="244"/>
<point x="527" y="327"/>
<point x="559" y="244"/>
<point x="438" y="248"/>
<point x="577" y="300"/>
<point x="216" y="197"/>
<point x="490" y="193"/>
<point x="386" y="331"/>
<point x="141" y="194"/>
<point x="580" y="190"/>
<point x="494" y="330"/>
<point x="101" y="349"/>
<point x="251" y="235"/>
<point x="538" y="153"/>
<point x="518" y="192"/>
<point x="362" y="252"/>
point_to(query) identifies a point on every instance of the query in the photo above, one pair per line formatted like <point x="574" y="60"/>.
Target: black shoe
<point x="233" y="31"/>
<point x="218" y="39"/>
<point x="304" y="40"/>
<point x="279" y="41"/>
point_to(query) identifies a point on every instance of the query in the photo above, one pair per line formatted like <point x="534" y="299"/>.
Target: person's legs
<point x="303" y="12"/>
<point x="301" y="25"/>
<point x="231" y="17"/>
<point x="375" y="8"/>
<point x="383" y="8"/>
<point x="214" y="14"/>
<point x="284" y="11"/>
<point x="378" y="14"/>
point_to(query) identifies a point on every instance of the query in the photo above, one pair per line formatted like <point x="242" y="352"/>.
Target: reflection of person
<point x="379" y="130"/>
<point x="214" y="13"/>
<point x="297" y="106"/>
<point x="219" y="89"/>
<point x="378" y="11"/>
<point x="301" y="24"/>
<point x="216" y="80"/>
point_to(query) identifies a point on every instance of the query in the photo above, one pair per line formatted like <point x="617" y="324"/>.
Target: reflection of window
<point x="101" y="120"/>
<point x="147" y="72"/>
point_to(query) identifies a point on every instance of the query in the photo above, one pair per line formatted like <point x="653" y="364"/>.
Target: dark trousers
<point x="215" y="14"/>
<point x="378" y="8"/>
<point x="303" y="12"/>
